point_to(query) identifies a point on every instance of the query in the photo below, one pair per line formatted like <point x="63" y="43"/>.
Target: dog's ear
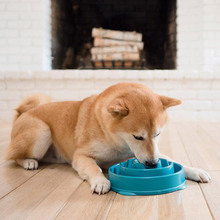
<point x="118" y="108"/>
<point x="168" y="102"/>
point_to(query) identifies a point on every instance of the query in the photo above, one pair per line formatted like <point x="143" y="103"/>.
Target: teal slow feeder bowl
<point x="132" y="178"/>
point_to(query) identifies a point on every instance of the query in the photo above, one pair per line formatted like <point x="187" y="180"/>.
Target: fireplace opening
<point x="73" y="21"/>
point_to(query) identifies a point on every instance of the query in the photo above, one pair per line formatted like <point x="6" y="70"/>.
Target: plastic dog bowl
<point x="133" y="178"/>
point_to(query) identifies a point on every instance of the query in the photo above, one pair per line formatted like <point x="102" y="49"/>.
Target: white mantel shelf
<point x="111" y="74"/>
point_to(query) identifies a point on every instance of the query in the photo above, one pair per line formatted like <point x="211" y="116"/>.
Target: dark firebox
<point x="73" y="20"/>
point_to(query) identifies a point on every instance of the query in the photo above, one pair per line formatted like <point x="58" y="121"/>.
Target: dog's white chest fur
<point x="106" y="155"/>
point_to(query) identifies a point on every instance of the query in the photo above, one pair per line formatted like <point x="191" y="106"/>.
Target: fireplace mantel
<point x="112" y="74"/>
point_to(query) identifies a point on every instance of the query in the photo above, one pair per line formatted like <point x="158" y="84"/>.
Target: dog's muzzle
<point x="152" y="163"/>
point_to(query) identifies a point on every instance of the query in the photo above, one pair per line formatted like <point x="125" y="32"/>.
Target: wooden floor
<point x="56" y="191"/>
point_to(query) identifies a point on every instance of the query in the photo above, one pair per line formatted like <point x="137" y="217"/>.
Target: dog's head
<point x="138" y="116"/>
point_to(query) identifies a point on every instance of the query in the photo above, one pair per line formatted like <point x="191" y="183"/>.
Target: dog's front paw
<point x="197" y="175"/>
<point x="30" y="164"/>
<point x="100" y="185"/>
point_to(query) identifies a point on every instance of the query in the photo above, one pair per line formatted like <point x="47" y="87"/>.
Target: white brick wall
<point x="25" y="35"/>
<point x="199" y="92"/>
<point x="198" y="34"/>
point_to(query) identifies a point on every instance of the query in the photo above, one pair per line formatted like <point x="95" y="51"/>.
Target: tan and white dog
<point x="124" y="121"/>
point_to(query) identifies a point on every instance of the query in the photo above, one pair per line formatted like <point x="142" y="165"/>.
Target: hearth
<point x="73" y="21"/>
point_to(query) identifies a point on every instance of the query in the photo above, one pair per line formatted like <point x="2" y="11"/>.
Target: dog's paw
<point x="100" y="185"/>
<point x="197" y="175"/>
<point x="30" y="164"/>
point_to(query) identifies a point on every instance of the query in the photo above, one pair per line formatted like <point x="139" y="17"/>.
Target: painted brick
<point x="196" y="105"/>
<point x="181" y="115"/>
<point x="37" y="24"/>
<point x="9" y="95"/>
<point x="25" y="93"/>
<point x="13" y="6"/>
<point x="103" y="84"/>
<point x="73" y="84"/>
<point x="147" y="83"/>
<point x="101" y="74"/>
<point x="216" y="105"/>
<point x="131" y="74"/>
<point x="166" y="84"/>
<point x="50" y="84"/>
<point x="70" y="74"/>
<point x="19" y="24"/>
<point x="19" y="59"/>
<point x="9" y="33"/>
<point x="12" y="75"/>
<point x="161" y="74"/>
<point x="2" y="75"/>
<point x="145" y="74"/>
<point x="86" y="84"/>
<point x="209" y="94"/>
<point x="2" y="6"/>
<point x="26" y="75"/>
<point x="57" y="74"/>
<point x="211" y="116"/>
<point x="31" y="15"/>
<point x="7" y="115"/>
<point x="86" y="93"/>
<point x="8" y="15"/>
<point x="2" y="85"/>
<point x="42" y="75"/>
<point x="116" y="74"/>
<point x="20" y="84"/>
<point x="65" y="95"/>
<point x="196" y="84"/>
<point x="3" y="24"/>
<point x="86" y="74"/>
<point x="161" y="92"/>
<point x="183" y="94"/>
<point x="3" y="105"/>
<point x="17" y="41"/>
<point x="13" y="104"/>
<point x="216" y="84"/>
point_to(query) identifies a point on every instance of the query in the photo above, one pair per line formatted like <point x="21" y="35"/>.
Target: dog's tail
<point x="30" y="102"/>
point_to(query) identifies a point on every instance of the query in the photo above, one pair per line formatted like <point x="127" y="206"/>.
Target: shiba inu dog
<point x="124" y="121"/>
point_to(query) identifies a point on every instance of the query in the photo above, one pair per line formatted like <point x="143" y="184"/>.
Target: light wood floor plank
<point x="84" y="205"/>
<point x="3" y="146"/>
<point x="185" y="204"/>
<point x="212" y="194"/>
<point x="202" y="150"/>
<point x="212" y="130"/>
<point x="172" y="146"/>
<point x="23" y="200"/>
<point x="12" y="176"/>
<point x="57" y="199"/>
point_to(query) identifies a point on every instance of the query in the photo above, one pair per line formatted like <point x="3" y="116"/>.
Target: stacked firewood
<point x="116" y="48"/>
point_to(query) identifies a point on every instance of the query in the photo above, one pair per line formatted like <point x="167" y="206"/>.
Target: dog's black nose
<point x="151" y="163"/>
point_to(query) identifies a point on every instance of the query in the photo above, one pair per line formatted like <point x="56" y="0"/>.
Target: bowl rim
<point x="146" y="170"/>
<point x="142" y="177"/>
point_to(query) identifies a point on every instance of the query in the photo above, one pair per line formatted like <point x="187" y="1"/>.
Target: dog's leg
<point x="88" y="170"/>
<point x="191" y="173"/>
<point x="30" y="144"/>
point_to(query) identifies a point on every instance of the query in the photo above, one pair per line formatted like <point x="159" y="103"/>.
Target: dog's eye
<point x="157" y="134"/>
<point x="138" y="138"/>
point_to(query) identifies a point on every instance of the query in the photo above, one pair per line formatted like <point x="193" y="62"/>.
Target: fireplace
<point x="73" y="21"/>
